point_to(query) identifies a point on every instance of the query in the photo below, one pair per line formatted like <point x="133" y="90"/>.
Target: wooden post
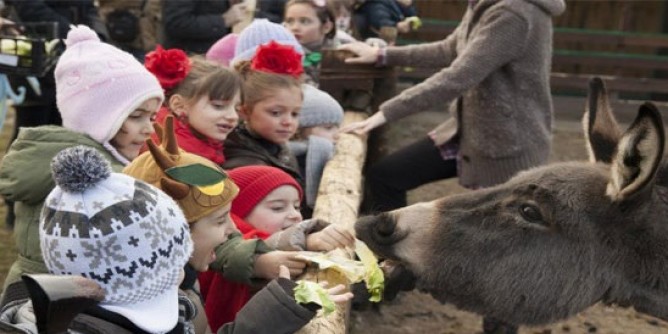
<point x="340" y="192"/>
<point x="339" y="196"/>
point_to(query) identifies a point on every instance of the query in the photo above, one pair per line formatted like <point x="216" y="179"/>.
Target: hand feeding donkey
<point x="553" y="240"/>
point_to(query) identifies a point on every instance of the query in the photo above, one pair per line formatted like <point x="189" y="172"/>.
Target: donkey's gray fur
<point x="553" y="240"/>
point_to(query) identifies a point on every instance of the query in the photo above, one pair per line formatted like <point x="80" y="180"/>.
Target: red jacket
<point x="222" y="298"/>
<point x="190" y="141"/>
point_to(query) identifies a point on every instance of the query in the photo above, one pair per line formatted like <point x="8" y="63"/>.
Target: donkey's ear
<point x="601" y="130"/>
<point x="638" y="155"/>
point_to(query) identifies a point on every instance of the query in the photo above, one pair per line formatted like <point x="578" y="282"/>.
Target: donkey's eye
<point x="530" y="213"/>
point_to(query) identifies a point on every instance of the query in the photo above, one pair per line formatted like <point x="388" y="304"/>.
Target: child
<point x="107" y="100"/>
<point x="267" y="207"/>
<point x="313" y="24"/>
<point x="385" y="18"/>
<point x="271" y="102"/>
<point x="313" y="145"/>
<point x="126" y="236"/>
<point x="260" y="32"/>
<point x="203" y="97"/>
<point x="204" y="192"/>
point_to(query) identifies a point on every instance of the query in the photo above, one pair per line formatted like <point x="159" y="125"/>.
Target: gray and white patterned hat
<point x="125" y="234"/>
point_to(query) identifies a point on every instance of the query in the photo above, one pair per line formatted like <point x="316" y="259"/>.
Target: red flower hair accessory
<point x="169" y="66"/>
<point x="278" y="58"/>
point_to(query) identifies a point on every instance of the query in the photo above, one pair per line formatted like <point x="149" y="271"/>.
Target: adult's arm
<point x="38" y="10"/>
<point x="502" y="38"/>
<point x="181" y="21"/>
<point x="435" y="54"/>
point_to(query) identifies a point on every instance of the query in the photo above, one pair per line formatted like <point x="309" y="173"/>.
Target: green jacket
<point x="25" y="179"/>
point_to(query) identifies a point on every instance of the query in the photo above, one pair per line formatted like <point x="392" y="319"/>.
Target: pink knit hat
<point x="98" y="86"/>
<point x="223" y="50"/>
<point x="255" y="183"/>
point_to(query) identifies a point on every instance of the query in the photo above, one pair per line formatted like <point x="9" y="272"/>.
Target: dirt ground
<point x="415" y="312"/>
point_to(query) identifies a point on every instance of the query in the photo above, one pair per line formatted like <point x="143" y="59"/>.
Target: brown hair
<point x="324" y="13"/>
<point x="257" y="85"/>
<point x="207" y="78"/>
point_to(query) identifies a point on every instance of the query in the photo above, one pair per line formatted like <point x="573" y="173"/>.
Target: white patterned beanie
<point x="128" y="236"/>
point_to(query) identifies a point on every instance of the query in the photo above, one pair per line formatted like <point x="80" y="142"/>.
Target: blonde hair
<point x="258" y="85"/>
<point x="207" y="78"/>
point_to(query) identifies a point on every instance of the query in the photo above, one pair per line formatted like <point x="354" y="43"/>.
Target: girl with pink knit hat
<point x="107" y="101"/>
<point x="267" y="207"/>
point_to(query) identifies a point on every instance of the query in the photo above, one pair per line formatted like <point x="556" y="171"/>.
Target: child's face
<point x="303" y="22"/>
<point x="207" y="233"/>
<point x="327" y="131"/>
<point x="138" y="127"/>
<point x="277" y="211"/>
<point x="275" y="118"/>
<point x="214" y="119"/>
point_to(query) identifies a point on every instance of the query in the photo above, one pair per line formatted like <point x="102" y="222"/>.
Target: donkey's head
<point x="553" y="240"/>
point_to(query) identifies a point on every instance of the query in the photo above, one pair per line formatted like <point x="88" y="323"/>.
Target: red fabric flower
<point x="169" y="66"/>
<point x="278" y="58"/>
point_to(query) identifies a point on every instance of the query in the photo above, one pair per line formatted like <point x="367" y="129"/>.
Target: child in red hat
<point x="267" y="207"/>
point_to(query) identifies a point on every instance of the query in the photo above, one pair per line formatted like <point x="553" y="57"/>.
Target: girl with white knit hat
<point x="107" y="100"/>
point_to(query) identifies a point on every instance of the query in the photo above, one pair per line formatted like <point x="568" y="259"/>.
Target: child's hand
<point x="268" y="265"/>
<point x="337" y="293"/>
<point x="329" y="238"/>
<point x="404" y="26"/>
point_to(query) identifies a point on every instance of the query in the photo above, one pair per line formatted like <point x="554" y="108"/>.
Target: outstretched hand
<point x="268" y="265"/>
<point x="338" y="294"/>
<point x="329" y="238"/>
<point x="365" y="53"/>
<point x="366" y="125"/>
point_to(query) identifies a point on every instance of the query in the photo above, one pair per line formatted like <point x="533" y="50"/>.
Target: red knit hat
<point x="255" y="183"/>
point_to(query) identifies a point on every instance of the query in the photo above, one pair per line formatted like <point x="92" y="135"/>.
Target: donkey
<point x="553" y="240"/>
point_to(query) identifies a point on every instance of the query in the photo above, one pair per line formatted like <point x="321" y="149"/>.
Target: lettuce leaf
<point x="373" y="275"/>
<point x="310" y="292"/>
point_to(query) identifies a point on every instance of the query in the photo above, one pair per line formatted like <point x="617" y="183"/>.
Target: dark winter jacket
<point x="375" y="14"/>
<point x="244" y="149"/>
<point x="193" y="25"/>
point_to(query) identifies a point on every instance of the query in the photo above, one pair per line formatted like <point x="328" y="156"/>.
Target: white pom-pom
<point x="80" y="33"/>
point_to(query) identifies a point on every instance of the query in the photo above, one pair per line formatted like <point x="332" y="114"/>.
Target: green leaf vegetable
<point x="310" y="292"/>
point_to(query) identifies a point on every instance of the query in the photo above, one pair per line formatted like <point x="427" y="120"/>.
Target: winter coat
<point x="496" y="72"/>
<point x="375" y="14"/>
<point x="194" y="25"/>
<point x="25" y="178"/>
<point x="244" y="149"/>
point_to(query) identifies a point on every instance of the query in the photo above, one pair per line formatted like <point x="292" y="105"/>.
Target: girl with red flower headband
<point x="271" y="102"/>
<point x="202" y="96"/>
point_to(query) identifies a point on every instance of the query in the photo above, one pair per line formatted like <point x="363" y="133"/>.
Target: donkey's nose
<point x="385" y="225"/>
